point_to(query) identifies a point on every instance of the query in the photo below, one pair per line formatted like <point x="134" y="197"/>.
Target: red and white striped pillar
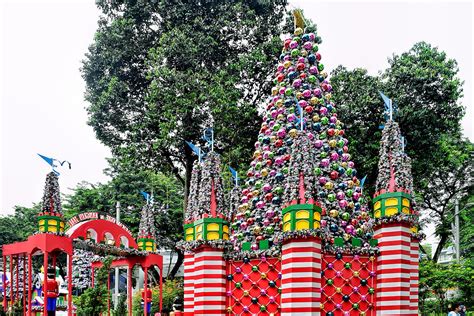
<point x="394" y="268"/>
<point x="415" y="249"/>
<point x="188" y="284"/>
<point x="209" y="281"/>
<point x="301" y="277"/>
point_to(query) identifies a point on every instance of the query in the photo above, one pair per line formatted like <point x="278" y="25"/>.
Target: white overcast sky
<point x="42" y="43"/>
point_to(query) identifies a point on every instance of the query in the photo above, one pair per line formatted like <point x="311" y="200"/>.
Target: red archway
<point x="101" y="227"/>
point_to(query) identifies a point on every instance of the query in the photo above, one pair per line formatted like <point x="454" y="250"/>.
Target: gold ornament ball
<point x="329" y="186"/>
<point x="293" y="132"/>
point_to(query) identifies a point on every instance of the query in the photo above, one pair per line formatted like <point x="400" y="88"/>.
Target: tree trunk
<point x="177" y="265"/>
<point x="442" y="242"/>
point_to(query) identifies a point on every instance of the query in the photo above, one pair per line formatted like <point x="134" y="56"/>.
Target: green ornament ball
<point x="296" y="52"/>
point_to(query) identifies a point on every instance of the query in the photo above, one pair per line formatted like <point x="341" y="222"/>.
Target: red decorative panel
<point x="348" y="285"/>
<point x="253" y="287"/>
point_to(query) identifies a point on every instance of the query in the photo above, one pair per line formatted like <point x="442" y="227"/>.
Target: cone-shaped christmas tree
<point x="301" y="157"/>
<point x="394" y="186"/>
<point x="206" y="232"/>
<point x="206" y="217"/>
<point x="147" y="232"/>
<point x="50" y="218"/>
<point x="393" y="212"/>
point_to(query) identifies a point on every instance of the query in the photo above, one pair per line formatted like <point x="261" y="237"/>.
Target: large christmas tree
<point x="301" y="144"/>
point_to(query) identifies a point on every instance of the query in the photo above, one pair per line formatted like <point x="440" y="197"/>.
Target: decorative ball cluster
<point x="147" y="221"/>
<point x="310" y="142"/>
<point x="393" y="159"/>
<point x="81" y="268"/>
<point x="51" y="203"/>
<point x="205" y="174"/>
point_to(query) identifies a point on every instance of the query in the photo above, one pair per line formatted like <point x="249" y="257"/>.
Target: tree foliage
<point x="424" y="84"/>
<point x="18" y="226"/>
<point x="93" y="301"/>
<point x="437" y="279"/>
<point x="453" y="179"/>
<point x="159" y="71"/>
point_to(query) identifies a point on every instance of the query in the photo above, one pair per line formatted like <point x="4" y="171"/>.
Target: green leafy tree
<point x="453" y="179"/>
<point x="437" y="279"/>
<point x="121" y="308"/>
<point x="93" y="301"/>
<point x="18" y="226"/>
<point x="424" y="83"/>
<point x="159" y="71"/>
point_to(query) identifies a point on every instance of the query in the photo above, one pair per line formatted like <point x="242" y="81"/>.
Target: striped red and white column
<point x="415" y="249"/>
<point x="189" y="284"/>
<point x="209" y="282"/>
<point x="301" y="277"/>
<point x="394" y="267"/>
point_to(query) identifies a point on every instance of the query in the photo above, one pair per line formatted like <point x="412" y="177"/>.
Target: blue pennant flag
<point x="145" y="195"/>
<point x="48" y="160"/>
<point x="390" y="107"/>
<point x="363" y="181"/>
<point x="235" y="175"/>
<point x="197" y="150"/>
<point x="386" y="100"/>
